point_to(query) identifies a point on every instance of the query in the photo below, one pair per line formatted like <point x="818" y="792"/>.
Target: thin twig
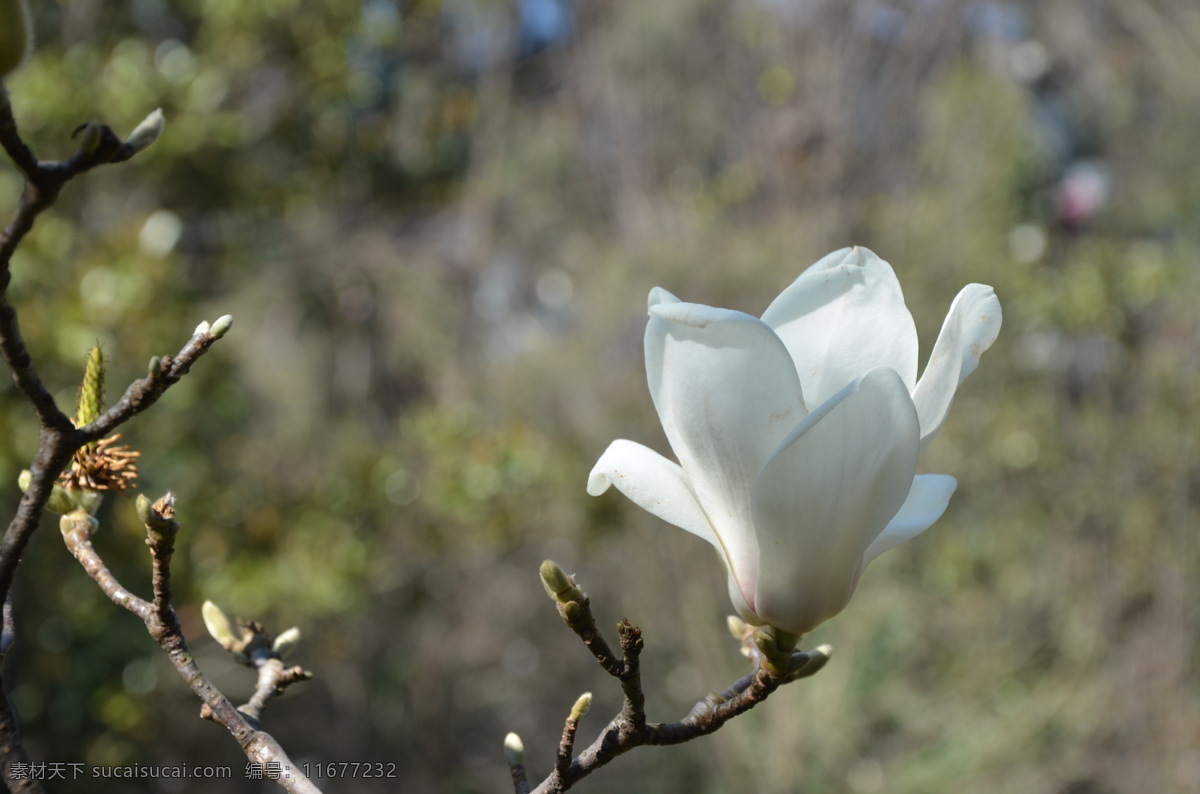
<point x="59" y="439"/>
<point x="273" y="678"/>
<point x="259" y="746"/>
<point x="629" y="728"/>
<point x="12" y="752"/>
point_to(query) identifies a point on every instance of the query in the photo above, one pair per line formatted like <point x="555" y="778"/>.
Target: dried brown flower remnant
<point x="104" y="467"/>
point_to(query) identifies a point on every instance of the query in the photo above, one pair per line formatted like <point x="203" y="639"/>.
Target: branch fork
<point x="771" y="652"/>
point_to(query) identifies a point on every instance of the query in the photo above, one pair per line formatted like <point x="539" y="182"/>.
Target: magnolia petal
<point x="727" y="395"/>
<point x="659" y="295"/>
<point x="842" y="318"/>
<point x="927" y="500"/>
<point x="653" y="483"/>
<point x="739" y="603"/>
<point x="827" y="494"/>
<point x="970" y="328"/>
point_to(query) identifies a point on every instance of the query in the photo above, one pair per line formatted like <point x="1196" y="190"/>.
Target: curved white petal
<point x="653" y="483"/>
<point x="659" y="295"/>
<point x="927" y="500"/>
<point x="827" y="494"/>
<point x="843" y="317"/>
<point x="970" y="328"/>
<point x="739" y="603"/>
<point x="727" y="395"/>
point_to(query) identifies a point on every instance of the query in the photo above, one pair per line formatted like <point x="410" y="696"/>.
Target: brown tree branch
<point x="43" y="183"/>
<point x="12" y="752"/>
<point x="59" y="439"/>
<point x="774" y="667"/>
<point x="163" y="626"/>
<point x="57" y="445"/>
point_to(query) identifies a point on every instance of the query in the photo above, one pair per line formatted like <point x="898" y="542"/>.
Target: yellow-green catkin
<point x="91" y="393"/>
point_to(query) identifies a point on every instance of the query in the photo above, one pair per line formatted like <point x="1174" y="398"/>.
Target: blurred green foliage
<point x="436" y="233"/>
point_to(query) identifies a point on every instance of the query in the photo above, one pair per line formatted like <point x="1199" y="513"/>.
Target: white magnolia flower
<point x="798" y="434"/>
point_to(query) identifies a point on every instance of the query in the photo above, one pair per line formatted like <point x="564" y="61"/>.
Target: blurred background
<point x="436" y="224"/>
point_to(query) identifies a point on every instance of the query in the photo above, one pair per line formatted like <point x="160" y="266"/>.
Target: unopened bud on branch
<point x="218" y="625"/>
<point x="558" y="584"/>
<point x="202" y="328"/>
<point x="286" y="642"/>
<point x="78" y="521"/>
<point x="581" y="706"/>
<point x="147" y="132"/>
<point x="514" y="750"/>
<point x="221" y="326"/>
<point x="810" y="663"/>
<point x="91" y="135"/>
<point x="59" y="503"/>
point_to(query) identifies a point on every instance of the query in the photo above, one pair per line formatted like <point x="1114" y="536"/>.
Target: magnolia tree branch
<point x="43" y="183"/>
<point x="12" y="752"/>
<point x="163" y="626"/>
<point x="775" y="664"/>
<point x="59" y="439"/>
<point x="57" y="445"/>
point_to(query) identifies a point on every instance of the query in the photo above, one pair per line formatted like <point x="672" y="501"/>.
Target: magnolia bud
<point x="147" y="132"/>
<point x="78" y="521"/>
<point x="221" y="326"/>
<point x="16" y="35"/>
<point x="217" y="624"/>
<point x="286" y="643"/>
<point x="582" y="704"/>
<point x="60" y="502"/>
<point x="86" y="499"/>
<point x="145" y="509"/>
<point x="558" y="584"/>
<point x="514" y="750"/>
<point x="91" y="135"/>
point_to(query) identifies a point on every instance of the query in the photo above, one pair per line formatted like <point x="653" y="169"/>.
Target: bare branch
<point x="774" y="667"/>
<point x="162" y="625"/>
<point x="144" y="392"/>
<point x="12" y="752"/>
<point x="43" y="183"/>
<point x="514" y="756"/>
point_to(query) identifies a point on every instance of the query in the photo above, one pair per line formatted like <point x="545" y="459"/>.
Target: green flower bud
<point x="218" y="625"/>
<point x="221" y="326"/>
<point x="85" y="499"/>
<point x="78" y="521"/>
<point x="154" y="368"/>
<point x="92" y="135"/>
<point x="16" y="35"/>
<point x="145" y="508"/>
<point x="202" y="328"/>
<point x="147" y="132"/>
<point x="581" y="707"/>
<point x="59" y="503"/>
<point x="514" y="750"/>
<point x="558" y="584"/>
<point x="286" y="643"/>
